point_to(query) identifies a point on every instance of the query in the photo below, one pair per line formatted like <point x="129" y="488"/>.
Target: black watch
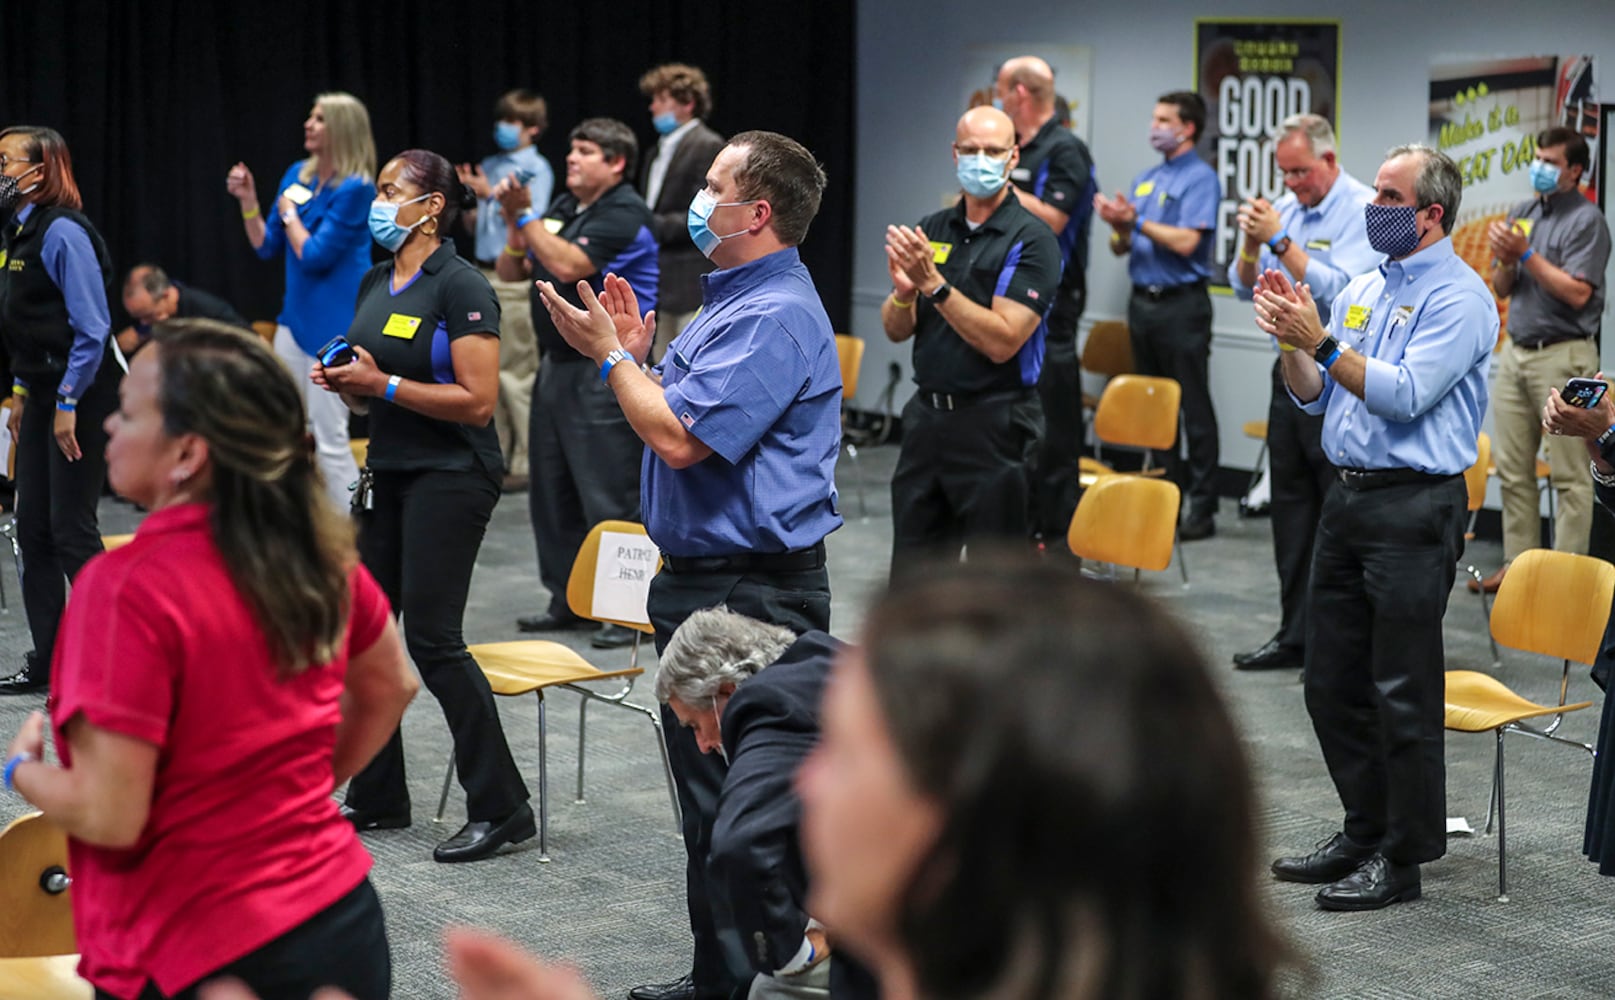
<point x="941" y="294"/>
<point x="1327" y="347"/>
<point x="1279" y="244"/>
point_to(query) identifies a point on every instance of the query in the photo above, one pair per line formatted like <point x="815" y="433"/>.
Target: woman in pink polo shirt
<point x="215" y="679"/>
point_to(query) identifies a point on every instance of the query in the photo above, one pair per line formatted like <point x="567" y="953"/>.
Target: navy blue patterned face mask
<point x="1393" y="230"/>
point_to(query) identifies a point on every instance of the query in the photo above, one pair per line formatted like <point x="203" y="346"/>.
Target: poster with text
<point x="1486" y="114"/>
<point x="1253" y="74"/>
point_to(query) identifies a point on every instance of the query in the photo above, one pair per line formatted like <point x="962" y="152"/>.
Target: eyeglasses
<point x="6" y="161"/>
<point x="1298" y="174"/>
<point x="996" y="152"/>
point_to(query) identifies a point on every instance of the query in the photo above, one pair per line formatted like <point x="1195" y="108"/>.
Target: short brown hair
<point x="614" y="139"/>
<point x="1576" y="152"/>
<point x="525" y="106"/>
<point x="685" y="84"/>
<point x="47" y="147"/>
<point x="779" y="170"/>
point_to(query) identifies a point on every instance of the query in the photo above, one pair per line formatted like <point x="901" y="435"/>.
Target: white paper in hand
<point x="622" y="576"/>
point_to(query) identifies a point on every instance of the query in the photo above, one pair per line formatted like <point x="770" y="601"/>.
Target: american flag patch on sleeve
<point x="473" y="317"/>
<point x="686" y="419"/>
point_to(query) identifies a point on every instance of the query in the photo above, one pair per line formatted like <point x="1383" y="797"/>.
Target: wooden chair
<point x="37" y="945"/>
<point x="265" y="328"/>
<point x="1544" y="481"/>
<point x="532" y="666"/>
<point x="1551" y="603"/>
<point x="1136" y="411"/>
<point x="850" y="352"/>
<point x="1108" y="351"/>
<point x="1475" y="485"/>
<point x="1126" y="521"/>
<point x="1256" y="430"/>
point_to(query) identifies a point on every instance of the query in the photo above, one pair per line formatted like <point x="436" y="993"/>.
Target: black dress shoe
<point x="612" y="637"/>
<point x="476" y="841"/>
<point x="551" y="622"/>
<point x="368" y="819"/>
<point x="682" y="988"/>
<point x="1271" y="655"/>
<point x="1196" y="528"/>
<point x="33" y="678"/>
<point x="1334" y="859"/>
<point x="1376" y="884"/>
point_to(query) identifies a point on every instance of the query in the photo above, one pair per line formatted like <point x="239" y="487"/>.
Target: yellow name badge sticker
<point x="940" y="252"/>
<point x="401" y="326"/>
<point x="1356" y="317"/>
<point x="1317" y="244"/>
<point x="553" y="226"/>
<point x="1144" y="189"/>
<point x="1522" y="226"/>
<point x="297" y="194"/>
<point x="2" y="258"/>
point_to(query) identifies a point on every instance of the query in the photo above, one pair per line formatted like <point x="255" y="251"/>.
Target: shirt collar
<point x="439" y="257"/>
<point x="678" y="133"/>
<point x="1329" y="198"/>
<point x="1423" y="262"/>
<point x="995" y="221"/>
<point x="729" y="281"/>
<point x="179" y="517"/>
<point x="23" y="213"/>
<point x="1560" y="201"/>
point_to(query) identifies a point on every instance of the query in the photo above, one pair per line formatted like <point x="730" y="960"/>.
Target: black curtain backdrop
<point x="158" y="98"/>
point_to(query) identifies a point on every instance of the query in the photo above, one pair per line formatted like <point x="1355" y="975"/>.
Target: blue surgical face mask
<point x="981" y="175"/>
<point x="998" y="103"/>
<point x="1393" y="230"/>
<point x="664" y="122"/>
<point x="507" y="135"/>
<point x="384" y="227"/>
<point x="701" y="209"/>
<point x="1544" y="177"/>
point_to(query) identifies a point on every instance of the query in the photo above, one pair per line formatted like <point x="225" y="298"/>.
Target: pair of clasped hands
<point x="1286" y="311"/>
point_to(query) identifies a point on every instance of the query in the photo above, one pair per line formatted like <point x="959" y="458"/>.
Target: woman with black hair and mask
<point x="425" y="344"/>
<point x="64" y="382"/>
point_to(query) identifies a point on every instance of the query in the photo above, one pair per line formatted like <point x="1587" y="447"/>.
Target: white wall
<point x="908" y="104"/>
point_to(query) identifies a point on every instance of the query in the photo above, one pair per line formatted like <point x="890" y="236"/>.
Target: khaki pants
<point x="518" y="363"/>
<point x="811" y="984"/>
<point x="1523" y="380"/>
<point x="668" y="326"/>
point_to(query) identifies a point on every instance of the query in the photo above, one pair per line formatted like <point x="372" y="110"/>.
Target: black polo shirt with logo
<point x="1014" y="254"/>
<point x="1057" y="167"/>
<point x="615" y="232"/>
<point x="410" y="332"/>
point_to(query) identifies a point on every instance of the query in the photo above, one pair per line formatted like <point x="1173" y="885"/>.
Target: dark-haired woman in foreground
<point x="217" y="677"/>
<point x="425" y="336"/>
<point x="55" y="328"/>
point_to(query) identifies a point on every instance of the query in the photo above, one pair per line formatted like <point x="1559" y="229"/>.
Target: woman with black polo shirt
<point x="54" y="270"/>
<point x="425" y="337"/>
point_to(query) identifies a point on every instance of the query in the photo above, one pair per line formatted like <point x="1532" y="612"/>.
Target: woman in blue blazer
<point x="319" y="221"/>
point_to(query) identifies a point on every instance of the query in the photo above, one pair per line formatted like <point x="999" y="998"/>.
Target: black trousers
<point x="584" y="461"/>
<point x="57" y="528"/>
<point x="1056" y="486"/>
<point x="1172" y="339"/>
<point x="344" y="945"/>
<point x="962" y="475"/>
<point x="420" y="542"/>
<point x="1381" y="576"/>
<point x="1299" y="477"/>
<point x="799" y="601"/>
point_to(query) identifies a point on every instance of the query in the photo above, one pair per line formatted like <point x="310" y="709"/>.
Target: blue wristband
<point x="392" y="388"/>
<point x="65" y="407"/>
<point x="611" y="362"/>
<point x="523" y="219"/>
<point x="1529" y="251"/>
<point x="1138" y="225"/>
<point x="1332" y="358"/>
<point x="17" y="760"/>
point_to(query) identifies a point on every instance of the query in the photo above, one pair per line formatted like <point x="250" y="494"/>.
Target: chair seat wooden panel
<point x="1138" y="411"/>
<point x="1478" y="703"/>
<point x="51" y="978"/>
<point x="524" y="665"/>
<point x="110" y="542"/>
<point x="1126" y="521"/>
<point x="1558" y="608"/>
<point x="33" y="922"/>
<point x="1255" y="429"/>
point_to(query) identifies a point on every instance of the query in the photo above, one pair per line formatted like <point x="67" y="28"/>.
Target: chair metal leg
<point x="1183" y="567"/>
<point x="1485" y="613"/>
<point x="667" y="768"/>
<point x="543" y="786"/>
<point x="583" y="722"/>
<point x="443" y="800"/>
<point x="1502" y="828"/>
<point x="858" y="480"/>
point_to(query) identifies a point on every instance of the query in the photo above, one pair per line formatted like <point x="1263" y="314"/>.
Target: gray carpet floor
<point x="611" y="898"/>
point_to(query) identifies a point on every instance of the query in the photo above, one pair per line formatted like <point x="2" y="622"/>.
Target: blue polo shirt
<point x="756" y="378"/>
<point x="1333" y="233"/>
<point x="1183" y="192"/>
<point x="490" y="219"/>
<point x="1426" y="325"/>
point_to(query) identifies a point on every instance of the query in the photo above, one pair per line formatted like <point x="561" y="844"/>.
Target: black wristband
<point x="1325" y="350"/>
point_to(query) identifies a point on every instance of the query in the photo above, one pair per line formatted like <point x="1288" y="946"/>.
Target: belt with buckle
<point x="1159" y="292"/>
<point x="1550" y="342"/>
<point x="794" y="561"/>
<point x="960" y="400"/>
<point x="1375" y="479"/>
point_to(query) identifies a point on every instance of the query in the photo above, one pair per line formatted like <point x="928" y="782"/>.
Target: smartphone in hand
<point x="1585" y="393"/>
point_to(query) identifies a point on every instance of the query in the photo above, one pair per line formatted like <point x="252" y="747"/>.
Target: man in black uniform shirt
<point x="987" y="270"/>
<point x="583" y="454"/>
<point x="1054" y="181"/>
<point x="151" y="296"/>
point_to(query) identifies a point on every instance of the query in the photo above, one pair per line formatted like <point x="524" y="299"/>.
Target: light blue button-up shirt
<point x="1334" y="235"/>
<point x="1183" y="192"/>
<point x="1426" y="326"/>
<point x="490" y="220"/>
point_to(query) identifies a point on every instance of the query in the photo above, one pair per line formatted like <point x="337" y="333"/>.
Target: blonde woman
<point x="318" y="221"/>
